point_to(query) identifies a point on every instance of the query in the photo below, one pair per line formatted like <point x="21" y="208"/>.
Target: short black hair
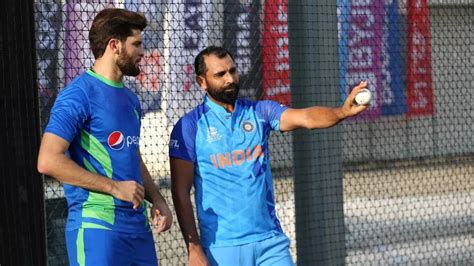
<point x="200" y="66"/>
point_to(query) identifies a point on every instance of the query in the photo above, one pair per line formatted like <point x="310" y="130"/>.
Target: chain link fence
<point x="407" y="164"/>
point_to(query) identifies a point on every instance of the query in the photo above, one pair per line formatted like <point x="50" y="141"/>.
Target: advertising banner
<point x="275" y="53"/>
<point x="242" y="38"/>
<point x="393" y="69"/>
<point x="369" y="52"/>
<point x="361" y="28"/>
<point x="419" y="79"/>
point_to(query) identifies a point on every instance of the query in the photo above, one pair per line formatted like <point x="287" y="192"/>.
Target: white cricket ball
<point x="363" y="97"/>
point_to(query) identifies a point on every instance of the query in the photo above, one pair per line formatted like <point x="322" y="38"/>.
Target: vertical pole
<point x="313" y="44"/>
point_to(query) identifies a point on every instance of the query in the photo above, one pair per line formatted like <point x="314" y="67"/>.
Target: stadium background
<point x="392" y="186"/>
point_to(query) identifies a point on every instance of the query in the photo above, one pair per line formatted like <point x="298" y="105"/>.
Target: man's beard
<point x="227" y="94"/>
<point x="126" y="64"/>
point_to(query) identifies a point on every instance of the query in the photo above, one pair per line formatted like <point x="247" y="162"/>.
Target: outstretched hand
<point x="350" y="107"/>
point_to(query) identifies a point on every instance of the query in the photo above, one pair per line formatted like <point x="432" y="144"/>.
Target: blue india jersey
<point x="101" y="121"/>
<point x="232" y="179"/>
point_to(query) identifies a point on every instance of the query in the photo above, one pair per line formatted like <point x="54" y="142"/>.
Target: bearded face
<point x="220" y="79"/>
<point x="127" y="64"/>
<point x="227" y="94"/>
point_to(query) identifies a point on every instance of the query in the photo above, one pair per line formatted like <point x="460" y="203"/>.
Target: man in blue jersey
<point x="222" y="148"/>
<point x="91" y="145"/>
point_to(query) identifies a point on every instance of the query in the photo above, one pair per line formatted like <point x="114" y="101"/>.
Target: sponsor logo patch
<point x="116" y="140"/>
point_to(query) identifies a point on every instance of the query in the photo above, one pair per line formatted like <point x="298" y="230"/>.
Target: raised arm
<point x="322" y="117"/>
<point x="52" y="161"/>
<point x="182" y="175"/>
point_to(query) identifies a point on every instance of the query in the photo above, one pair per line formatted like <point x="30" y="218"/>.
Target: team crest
<point x="248" y="126"/>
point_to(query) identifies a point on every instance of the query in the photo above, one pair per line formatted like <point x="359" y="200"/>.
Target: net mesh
<point x="406" y="164"/>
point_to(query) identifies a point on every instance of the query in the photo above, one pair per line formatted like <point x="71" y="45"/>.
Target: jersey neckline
<point x="109" y="82"/>
<point x="219" y="108"/>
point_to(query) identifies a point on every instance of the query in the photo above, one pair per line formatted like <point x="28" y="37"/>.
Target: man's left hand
<point x="161" y="216"/>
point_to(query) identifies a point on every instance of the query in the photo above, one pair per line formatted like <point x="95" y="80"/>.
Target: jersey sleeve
<point x="271" y="112"/>
<point x="182" y="140"/>
<point x="69" y="112"/>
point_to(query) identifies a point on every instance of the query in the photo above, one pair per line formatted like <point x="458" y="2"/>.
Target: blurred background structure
<point x="392" y="186"/>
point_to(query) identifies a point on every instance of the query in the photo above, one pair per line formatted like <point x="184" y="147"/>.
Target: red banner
<point x="275" y="54"/>
<point x="419" y="77"/>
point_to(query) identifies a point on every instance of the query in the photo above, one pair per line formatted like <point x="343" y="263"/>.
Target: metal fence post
<point x="313" y="45"/>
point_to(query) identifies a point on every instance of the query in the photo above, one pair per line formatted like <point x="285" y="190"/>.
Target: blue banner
<point x="393" y="71"/>
<point x="343" y="13"/>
